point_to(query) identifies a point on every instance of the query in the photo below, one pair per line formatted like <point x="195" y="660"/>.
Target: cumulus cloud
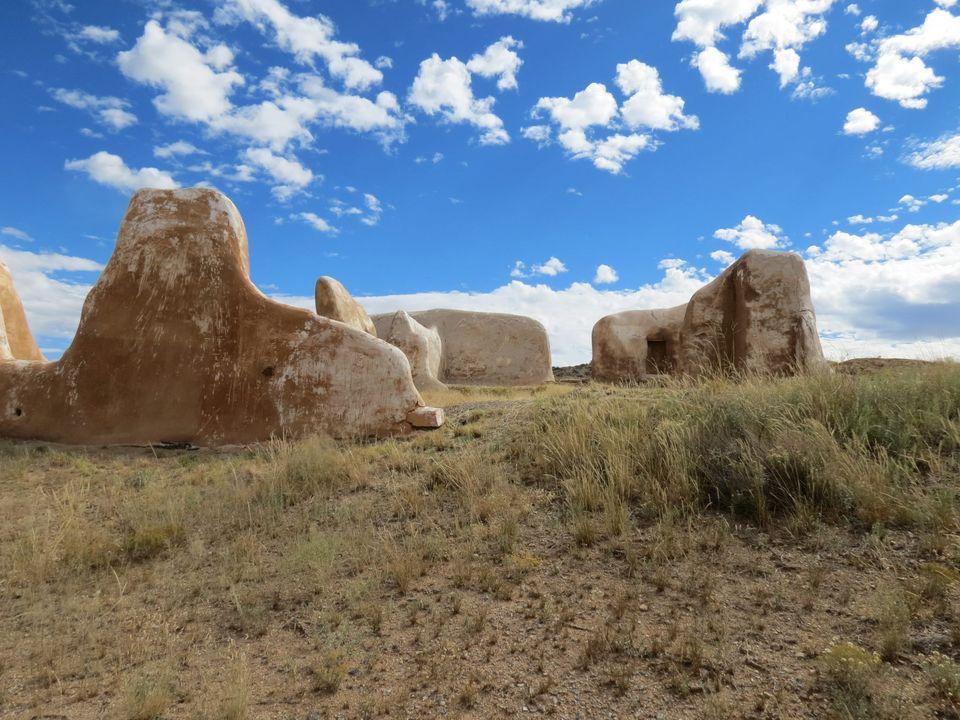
<point x="289" y="176"/>
<point x="911" y="203"/>
<point x="647" y="106"/>
<point x="196" y="86"/>
<point x="889" y="294"/>
<point x="782" y="27"/>
<point x="306" y="38"/>
<point x="111" y="111"/>
<point x="501" y="61"/>
<point x="444" y="87"/>
<point x="110" y="170"/>
<point x="551" y="268"/>
<point x="900" y="73"/>
<point x="589" y="124"/>
<point x="753" y="233"/>
<point x="548" y="10"/>
<point x="723" y="257"/>
<point x="860" y="122"/>
<point x="605" y="275"/>
<point x="719" y="75"/>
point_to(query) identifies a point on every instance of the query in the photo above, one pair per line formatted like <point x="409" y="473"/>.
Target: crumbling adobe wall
<point x="335" y="302"/>
<point x="621" y="342"/>
<point x="756" y="316"/>
<point x="176" y="344"/>
<point x="16" y="340"/>
<point x="489" y="348"/>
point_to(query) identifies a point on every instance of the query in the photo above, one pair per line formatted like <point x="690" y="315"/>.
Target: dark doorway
<point x="658" y="358"/>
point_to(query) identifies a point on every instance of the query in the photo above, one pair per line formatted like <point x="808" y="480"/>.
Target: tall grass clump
<point x="883" y="448"/>
<point x="305" y="468"/>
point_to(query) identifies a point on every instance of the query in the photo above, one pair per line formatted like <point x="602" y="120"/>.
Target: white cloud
<point x="852" y="9"/>
<point x="786" y="63"/>
<point x="719" y="75"/>
<point x="374" y="209"/>
<point x="862" y="220"/>
<point x="781" y="26"/>
<point x="444" y="87"/>
<point x="891" y="295"/>
<point x="501" y="61"/>
<point x="195" y="85"/>
<point x="751" y="233"/>
<point x="941" y="154"/>
<point x="99" y="35"/>
<point x="900" y="73"/>
<point x="647" y="106"/>
<point x="112" y="171"/>
<point x="594" y="105"/>
<point x="869" y="24"/>
<point x="110" y="111"/>
<point x="15" y="233"/>
<point x="605" y="275"/>
<point x="286" y="118"/>
<point x="306" y="38"/>
<point x="911" y="203"/>
<point x="316" y="222"/>
<point x="540" y="134"/>
<point x="581" y="119"/>
<point x="174" y="149"/>
<point x="289" y="175"/>
<point x="860" y="122"/>
<point x="52" y="304"/>
<point x="946" y="3"/>
<point x="939" y="198"/>
<point x="548" y="10"/>
<point x="723" y="257"/>
<point x="702" y="21"/>
<point x="552" y="267"/>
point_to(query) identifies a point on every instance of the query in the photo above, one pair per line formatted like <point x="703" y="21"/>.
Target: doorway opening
<point x="658" y="357"/>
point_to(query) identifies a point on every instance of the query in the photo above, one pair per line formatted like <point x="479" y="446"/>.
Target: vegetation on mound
<point x="882" y="449"/>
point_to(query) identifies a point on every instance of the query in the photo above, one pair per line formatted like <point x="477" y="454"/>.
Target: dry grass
<point x="685" y="551"/>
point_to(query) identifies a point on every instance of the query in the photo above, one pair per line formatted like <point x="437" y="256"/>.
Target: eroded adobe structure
<point x="335" y="302"/>
<point x="488" y="348"/>
<point x="16" y="340"/>
<point x="176" y="344"/>
<point x="636" y="343"/>
<point x="756" y="316"/>
<point x="421" y="345"/>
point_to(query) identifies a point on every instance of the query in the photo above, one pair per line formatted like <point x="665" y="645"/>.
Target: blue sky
<point x="559" y="158"/>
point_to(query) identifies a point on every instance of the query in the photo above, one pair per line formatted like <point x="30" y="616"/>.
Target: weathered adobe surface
<point x="421" y="345"/>
<point x="756" y="316"/>
<point x="16" y="340"/>
<point x="335" y="302"/>
<point x="489" y="348"/>
<point x="620" y="343"/>
<point x="176" y="344"/>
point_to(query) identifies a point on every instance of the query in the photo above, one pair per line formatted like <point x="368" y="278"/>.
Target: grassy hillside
<point x="753" y="549"/>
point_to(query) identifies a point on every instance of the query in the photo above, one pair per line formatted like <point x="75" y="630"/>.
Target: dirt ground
<point x="427" y="577"/>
